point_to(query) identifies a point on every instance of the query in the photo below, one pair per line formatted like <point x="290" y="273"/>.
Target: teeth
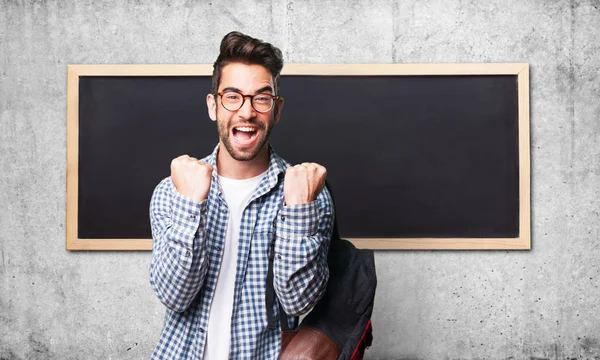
<point x="245" y="129"/>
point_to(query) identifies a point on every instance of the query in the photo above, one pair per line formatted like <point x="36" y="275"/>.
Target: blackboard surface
<point x="407" y="156"/>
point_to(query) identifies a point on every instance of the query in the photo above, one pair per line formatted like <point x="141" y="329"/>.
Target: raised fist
<point x="191" y="177"/>
<point x="303" y="183"/>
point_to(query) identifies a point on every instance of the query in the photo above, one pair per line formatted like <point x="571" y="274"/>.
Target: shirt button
<point x="186" y="254"/>
<point x="193" y="217"/>
<point x="282" y="218"/>
<point x="224" y="211"/>
<point x="218" y="248"/>
<point x="278" y="256"/>
<point x="201" y="330"/>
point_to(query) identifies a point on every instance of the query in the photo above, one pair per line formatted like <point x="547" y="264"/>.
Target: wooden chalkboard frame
<point x="521" y="70"/>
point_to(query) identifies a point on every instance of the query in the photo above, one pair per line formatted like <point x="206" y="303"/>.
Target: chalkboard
<point x="433" y="158"/>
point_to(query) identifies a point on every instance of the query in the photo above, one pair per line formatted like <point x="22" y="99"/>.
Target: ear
<point x="211" y="104"/>
<point x="278" y="109"/>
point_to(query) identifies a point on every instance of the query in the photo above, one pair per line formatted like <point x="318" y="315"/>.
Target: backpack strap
<point x="270" y="293"/>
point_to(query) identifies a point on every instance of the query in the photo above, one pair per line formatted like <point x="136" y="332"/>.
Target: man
<point x="216" y="220"/>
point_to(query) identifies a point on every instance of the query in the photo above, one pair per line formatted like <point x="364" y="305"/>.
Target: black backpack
<point x="340" y="323"/>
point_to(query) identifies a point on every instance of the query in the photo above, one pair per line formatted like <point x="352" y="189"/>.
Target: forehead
<point x="245" y="77"/>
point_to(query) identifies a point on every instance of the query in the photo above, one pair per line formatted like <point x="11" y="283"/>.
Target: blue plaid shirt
<point x="187" y="251"/>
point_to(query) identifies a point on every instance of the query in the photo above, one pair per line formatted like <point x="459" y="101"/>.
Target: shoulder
<point x="165" y="185"/>
<point x="278" y="164"/>
<point x="209" y="159"/>
<point x="325" y="200"/>
<point x="284" y="163"/>
<point x="163" y="193"/>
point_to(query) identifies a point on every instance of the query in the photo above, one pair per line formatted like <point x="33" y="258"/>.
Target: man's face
<point x="244" y="132"/>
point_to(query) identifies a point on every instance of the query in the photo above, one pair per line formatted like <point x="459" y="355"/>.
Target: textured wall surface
<point x="540" y="304"/>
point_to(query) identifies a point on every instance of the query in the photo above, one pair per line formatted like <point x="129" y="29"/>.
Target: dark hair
<point x="237" y="47"/>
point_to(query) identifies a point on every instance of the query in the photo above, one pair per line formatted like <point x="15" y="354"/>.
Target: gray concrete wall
<point x="542" y="303"/>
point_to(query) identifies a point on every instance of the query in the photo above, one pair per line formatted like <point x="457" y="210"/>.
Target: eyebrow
<point x="261" y="90"/>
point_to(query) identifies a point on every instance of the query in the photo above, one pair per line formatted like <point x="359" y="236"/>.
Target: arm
<point x="300" y="269"/>
<point x="178" y="264"/>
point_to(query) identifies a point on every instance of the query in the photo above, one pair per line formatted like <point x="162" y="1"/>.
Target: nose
<point x="247" y="111"/>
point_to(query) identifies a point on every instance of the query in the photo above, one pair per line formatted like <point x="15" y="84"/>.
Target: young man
<point x="216" y="220"/>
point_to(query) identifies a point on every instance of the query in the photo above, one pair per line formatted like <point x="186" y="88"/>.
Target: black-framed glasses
<point x="233" y="101"/>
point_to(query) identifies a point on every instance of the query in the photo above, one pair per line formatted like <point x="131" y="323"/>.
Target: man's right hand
<point x="191" y="177"/>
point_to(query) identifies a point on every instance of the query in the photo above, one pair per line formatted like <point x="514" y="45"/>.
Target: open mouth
<point x="245" y="135"/>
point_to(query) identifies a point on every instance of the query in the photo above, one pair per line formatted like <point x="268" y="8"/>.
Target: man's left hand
<point x="303" y="183"/>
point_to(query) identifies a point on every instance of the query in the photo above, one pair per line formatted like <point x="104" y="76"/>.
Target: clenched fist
<point x="303" y="183"/>
<point x="191" y="177"/>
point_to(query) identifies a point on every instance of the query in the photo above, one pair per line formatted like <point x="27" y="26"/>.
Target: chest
<point x="256" y="223"/>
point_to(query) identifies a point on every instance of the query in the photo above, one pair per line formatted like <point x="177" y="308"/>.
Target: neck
<point x="239" y="170"/>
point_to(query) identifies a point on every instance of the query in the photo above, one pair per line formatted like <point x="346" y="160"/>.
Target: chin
<point x="245" y="155"/>
<point x="242" y="156"/>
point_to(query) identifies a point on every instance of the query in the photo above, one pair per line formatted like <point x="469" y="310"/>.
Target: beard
<point x="245" y="154"/>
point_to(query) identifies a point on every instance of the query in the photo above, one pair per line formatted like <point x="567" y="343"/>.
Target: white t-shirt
<point x="237" y="193"/>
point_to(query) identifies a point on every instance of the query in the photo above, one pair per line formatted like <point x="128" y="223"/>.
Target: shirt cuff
<point x="188" y="217"/>
<point x="298" y="220"/>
